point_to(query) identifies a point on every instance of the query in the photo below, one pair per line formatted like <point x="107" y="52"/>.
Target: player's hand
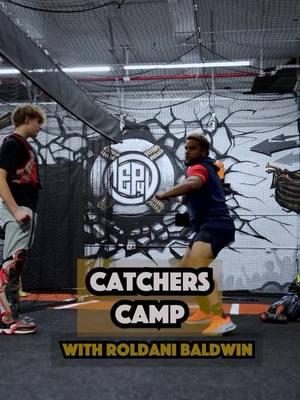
<point x="160" y="196"/>
<point x="22" y="216"/>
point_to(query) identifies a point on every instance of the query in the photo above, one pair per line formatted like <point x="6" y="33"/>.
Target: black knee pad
<point x="14" y="265"/>
<point x="11" y="273"/>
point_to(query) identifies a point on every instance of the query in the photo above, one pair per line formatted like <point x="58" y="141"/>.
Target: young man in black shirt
<point x="19" y="189"/>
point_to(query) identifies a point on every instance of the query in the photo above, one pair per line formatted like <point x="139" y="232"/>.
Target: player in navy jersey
<point x="210" y="221"/>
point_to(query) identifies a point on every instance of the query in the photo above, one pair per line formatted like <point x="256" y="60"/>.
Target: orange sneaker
<point x="199" y="317"/>
<point x="219" y="325"/>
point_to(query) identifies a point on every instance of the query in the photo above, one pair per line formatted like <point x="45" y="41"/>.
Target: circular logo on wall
<point x="127" y="176"/>
<point x="134" y="178"/>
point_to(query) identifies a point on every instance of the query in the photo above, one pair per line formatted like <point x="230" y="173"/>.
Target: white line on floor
<point x="75" y="304"/>
<point x="235" y="309"/>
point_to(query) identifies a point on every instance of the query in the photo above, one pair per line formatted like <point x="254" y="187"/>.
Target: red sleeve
<point x="198" y="170"/>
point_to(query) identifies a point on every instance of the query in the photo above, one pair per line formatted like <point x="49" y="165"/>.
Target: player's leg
<point x="200" y="255"/>
<point x="17" y="240"/>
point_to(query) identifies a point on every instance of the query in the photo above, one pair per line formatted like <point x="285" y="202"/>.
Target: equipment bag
<point x="283" y="310"/>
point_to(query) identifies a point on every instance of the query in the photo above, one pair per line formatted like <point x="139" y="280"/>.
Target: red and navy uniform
<point x="207" y="209"/>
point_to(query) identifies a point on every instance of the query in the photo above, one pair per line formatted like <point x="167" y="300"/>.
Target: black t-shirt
<point x="18" y="158"/>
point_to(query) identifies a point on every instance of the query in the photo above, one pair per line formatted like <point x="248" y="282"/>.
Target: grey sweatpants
<point x="17" y="237"/>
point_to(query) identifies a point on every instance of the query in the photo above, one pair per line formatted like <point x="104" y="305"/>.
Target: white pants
<point x="17" y="236"/>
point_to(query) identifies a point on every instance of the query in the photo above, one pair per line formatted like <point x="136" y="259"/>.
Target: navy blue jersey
<point x="206" y="206"/>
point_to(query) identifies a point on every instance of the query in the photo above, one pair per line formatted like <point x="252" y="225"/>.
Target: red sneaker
<point x="20" y="326"/>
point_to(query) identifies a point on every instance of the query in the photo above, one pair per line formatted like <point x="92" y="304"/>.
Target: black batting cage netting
<point x="123" y="83"/>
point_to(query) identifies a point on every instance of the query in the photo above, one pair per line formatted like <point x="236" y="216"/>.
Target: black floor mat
<point x="31" y="370"/>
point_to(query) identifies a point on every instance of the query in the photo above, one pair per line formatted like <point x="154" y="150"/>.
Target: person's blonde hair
<point x="204" y="143"/>
<point x="27" y="111"/>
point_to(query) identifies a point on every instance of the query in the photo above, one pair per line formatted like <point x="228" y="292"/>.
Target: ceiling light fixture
<point x="95" y="69"/>
<point x="70" y="70"/>
<point x="9" y="71"/>
<point x="211" y="64"/>
<point x="87" y="69"/>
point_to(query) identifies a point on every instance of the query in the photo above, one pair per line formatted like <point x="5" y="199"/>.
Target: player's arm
<point x="197" y="176"/>
<point x="20" y="214"/>
<point x="188" y="185"/>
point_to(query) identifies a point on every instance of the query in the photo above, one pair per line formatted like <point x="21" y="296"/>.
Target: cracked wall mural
<point x="103" y="194"/>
